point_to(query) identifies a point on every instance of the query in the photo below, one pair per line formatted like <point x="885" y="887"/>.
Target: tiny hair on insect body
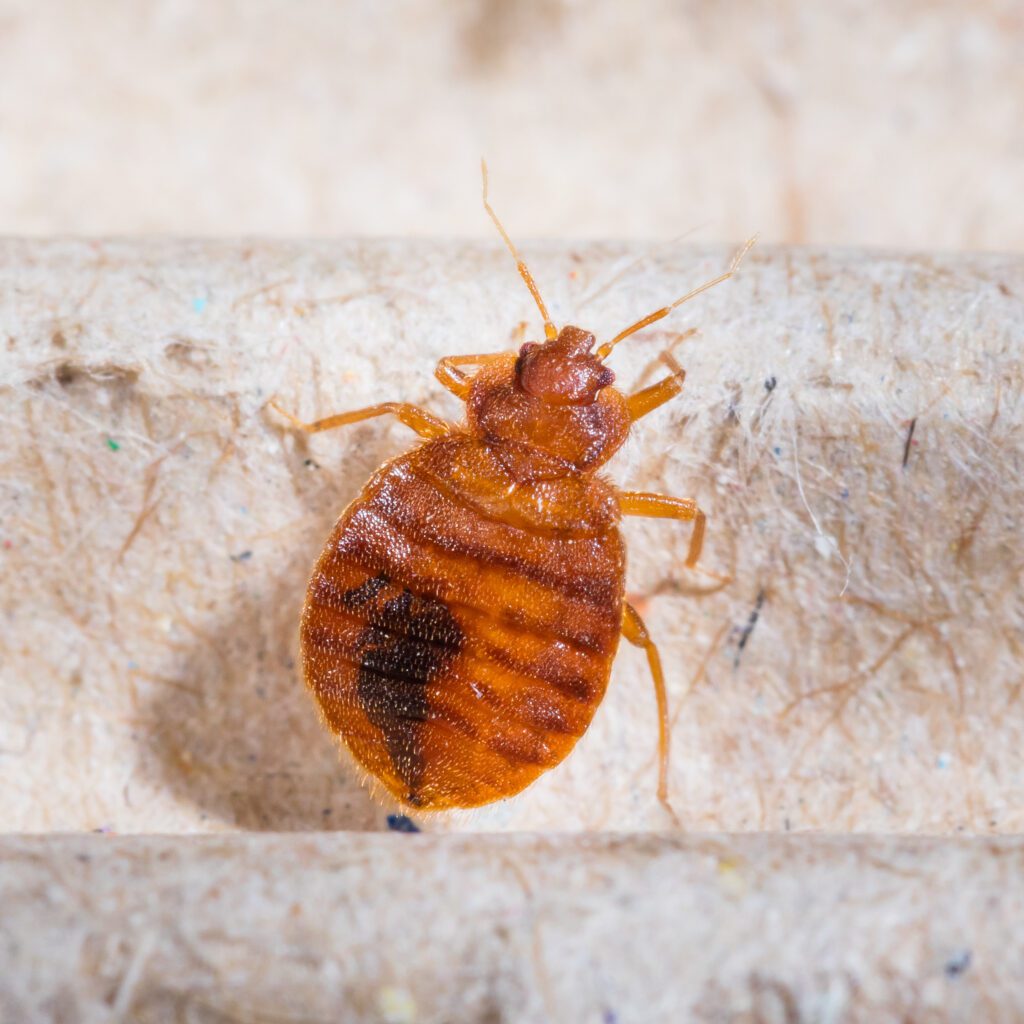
<point x="460" y="624"/>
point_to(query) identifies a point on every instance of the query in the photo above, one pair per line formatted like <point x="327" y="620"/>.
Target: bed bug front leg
<point x="458" y="382"/>
<point x="426" y="424"/>
<point x="640" y="403"/>
<point x="454" y="379"/>
<point x="634" y="630"/>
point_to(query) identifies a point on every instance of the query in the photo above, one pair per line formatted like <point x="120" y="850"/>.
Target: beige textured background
<point x="606" y="929"/>
<point x="853" y="122"/>
<point x="153" y="591"/>
<point x="157" y="526"/>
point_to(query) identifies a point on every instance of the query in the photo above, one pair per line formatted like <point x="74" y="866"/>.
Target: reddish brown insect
<point x="460" y="625"/>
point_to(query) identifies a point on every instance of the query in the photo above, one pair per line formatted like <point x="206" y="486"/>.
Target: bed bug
<point x="460" y="624"/>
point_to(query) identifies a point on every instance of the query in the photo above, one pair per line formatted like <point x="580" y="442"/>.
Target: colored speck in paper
<point x="400" y="823"/>
<point x="958" y="964"/>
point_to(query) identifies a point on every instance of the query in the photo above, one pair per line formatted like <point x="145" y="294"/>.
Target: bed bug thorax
<point x="460" y="624"/>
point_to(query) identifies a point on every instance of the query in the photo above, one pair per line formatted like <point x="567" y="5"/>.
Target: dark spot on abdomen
<point x="409" y="640"/>
<point x="362" y="595"/>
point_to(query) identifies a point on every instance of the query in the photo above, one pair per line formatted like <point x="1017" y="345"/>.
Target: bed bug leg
<point x="661" y="506"/>
<point x="634" y="630"/>
<point x="640" y="403"/>
<point x="454" y="379"/>
<point x="425" y="424"/>
<point x="518" y="333"/>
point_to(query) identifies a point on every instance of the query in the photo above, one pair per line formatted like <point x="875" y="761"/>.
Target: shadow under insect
<point x="235" y="731"/>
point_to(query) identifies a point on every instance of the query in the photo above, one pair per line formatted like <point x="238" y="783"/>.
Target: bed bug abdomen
<point x="460" y="625"/>
<point x="459" y="655"/>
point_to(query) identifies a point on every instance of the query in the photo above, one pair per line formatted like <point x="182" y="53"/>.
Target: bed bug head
<point x="564" y="369"/>
<point x="558" y="397"/>
<point x="552" y="399"/>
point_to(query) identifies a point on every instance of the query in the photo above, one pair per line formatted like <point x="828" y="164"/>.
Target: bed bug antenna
<point x="606" y="348"/>
<point x="524" y="271"/>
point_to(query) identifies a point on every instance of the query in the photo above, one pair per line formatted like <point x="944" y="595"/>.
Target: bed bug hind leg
<point x="426" y="424"/>
<point x="634" y="630"/>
